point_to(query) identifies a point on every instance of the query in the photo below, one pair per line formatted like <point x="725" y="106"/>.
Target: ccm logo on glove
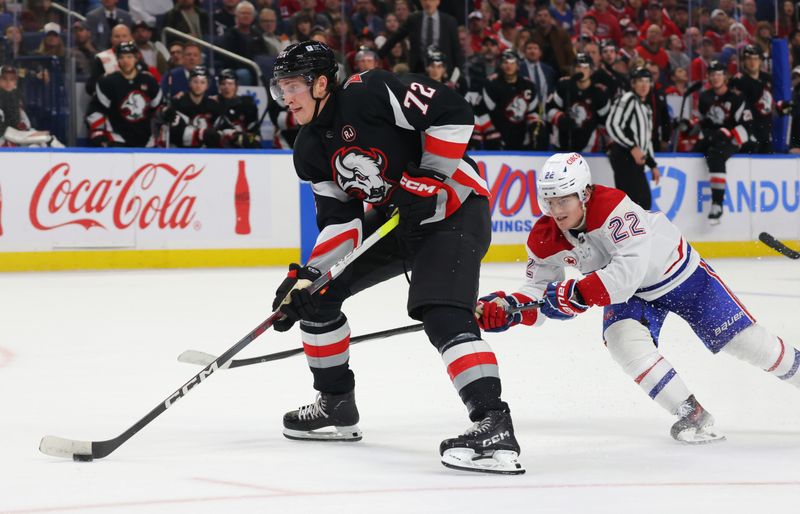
<point x="420" y="186"/>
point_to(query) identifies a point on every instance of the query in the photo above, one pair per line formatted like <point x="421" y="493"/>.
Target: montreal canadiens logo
<point x="570" y="260"/>
<point x="348" y="133"/>
<point x="361" y="174"/>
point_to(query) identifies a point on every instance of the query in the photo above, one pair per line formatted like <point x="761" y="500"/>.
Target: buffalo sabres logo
<point x="717" y="114"/>
<point x="360" y="174"/>
<point x="201" y="121"/>
<point x="764" y="104"/>
<point x="516" y="109"/>
<point x="570" y="260"/>
<point x="580" y="113"/>
<point x="133" y="106"/>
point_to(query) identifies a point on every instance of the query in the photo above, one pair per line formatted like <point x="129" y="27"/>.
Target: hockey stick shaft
<point x="778" y="246"/>
<point x="60" y="447"/>
<point x="202" y="358"/>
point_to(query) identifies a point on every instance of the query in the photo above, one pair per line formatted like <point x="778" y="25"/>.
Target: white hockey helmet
<point x="562" y="174"/>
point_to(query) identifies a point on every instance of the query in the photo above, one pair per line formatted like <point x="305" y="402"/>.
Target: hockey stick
<point x="779" y="247"/>
<point x="203" y="358"/>
<point x="88" y="450"/>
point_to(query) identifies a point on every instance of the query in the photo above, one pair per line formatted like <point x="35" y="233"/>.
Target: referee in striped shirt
<point x="630" y="125"/>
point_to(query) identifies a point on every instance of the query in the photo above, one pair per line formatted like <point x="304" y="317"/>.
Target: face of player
<point x="198" y="86"/>
<point x="298" y="99"/>
<point x="752" y="63"/>
<point x="436" y="71"/>
<point x="567" y="211"/>
<point x="509" y="67"/>
<point x="127" y="63"/>
<point x="716" y="79"/>
<point x="227" y="88"/>
<point x="585" y="70"/>
<point x="641" y="87"/>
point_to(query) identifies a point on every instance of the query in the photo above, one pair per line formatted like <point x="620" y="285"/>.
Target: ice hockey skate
<point x="331" y="417"/>
<point x="488" y="446"/>
<point x="715" y="214"/>
<point x="695" y="424"/>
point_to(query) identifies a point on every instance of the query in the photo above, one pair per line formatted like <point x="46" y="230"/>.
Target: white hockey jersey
<point x="623" y="251"/>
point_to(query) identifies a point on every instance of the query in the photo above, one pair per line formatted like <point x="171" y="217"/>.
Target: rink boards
<point x="78" y="209"/>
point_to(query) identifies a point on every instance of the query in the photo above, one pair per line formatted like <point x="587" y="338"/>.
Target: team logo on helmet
<point x="134" y="106"/>
<point x="570" y="260"/>
<point x="361" y="174"/>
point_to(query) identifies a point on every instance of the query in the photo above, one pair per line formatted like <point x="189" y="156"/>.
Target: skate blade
<point x="501" y="462"/>
<point x="694" y="436"/>
<point x="346" y="433"/>
<point x="714" y="221"/>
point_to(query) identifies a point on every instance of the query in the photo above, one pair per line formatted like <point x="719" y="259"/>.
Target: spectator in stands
<point x="787" y="21"/>
<point x="763" y="39"/>
<point x="175" y="55"/>
<point x="738" y="36"/>
<point x="677" y="57"/>
<point x="301" y="28"/>
<point x="333" y="9"/>
<point x="243" y="40"/>
<point x="482" y="67"/>
<point x="586" y="32"/>
<point x="52" y="45"/>
<point x="477" y="31"/>
<point x="554" y="41"/>
<point x="794" y="47"/>
<point x="15" y="126"/>
<point x="365" y="59"/>
<point x="656" y="16"/>
<point x="525" y="12"/>
<point x="607" y="23"/>
<point x="652" y="49"/>
<point x="37" y="13"/>
<point x="718" y="32"/>
<point x="105" y="62"/>
<point x="176" y="82"/>
<point x="397" y="55"/>
<point x="188" y="18"/>
<point x="693" y="41"/>
<point x="747" y="16"/>
<point x="523" y="36"/>
<point x="102" y="19"/>
<point x="506" y="26"/>
<point x="153" y="54"/>
<point x="680" y="17"/>
<point x="426" y="28"/>
<point x="13" y="45"/>
<point x="402" y="11"/>
<point x="308" y="8"/>
<point x="630" y="40"/>
<point x="123" y="108"/>
<point x="225" y="17"/>
<point x="342" y="40"/>
<point x="271" y="43"/>
<point x="6" y="18"/>
<point x="366" y="16"/>
<point x="83" y="51"/>
<point x="700" y="64"/>
<point x="562" y="13"/>
<point x="147" y="10"/>
<point x="390" y="27"/>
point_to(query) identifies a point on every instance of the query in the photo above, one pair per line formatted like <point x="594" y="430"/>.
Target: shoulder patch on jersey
<point x="354" y="79"/>
<point x="546" y="238"/>
<point x="603" y="201"/>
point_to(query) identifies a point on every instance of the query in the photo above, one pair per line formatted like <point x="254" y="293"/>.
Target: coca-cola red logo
<point x="133" y="201"/>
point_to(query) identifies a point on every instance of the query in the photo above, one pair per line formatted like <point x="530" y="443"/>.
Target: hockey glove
<point x="563" y="300"/>
<point x="292" y="297"/>
<point x="784" y="107"/>
<point x="492" y="311"/>
<point x="211" y="138"/>
<point x="169" y="115"/>
<point x="424" y="187"/>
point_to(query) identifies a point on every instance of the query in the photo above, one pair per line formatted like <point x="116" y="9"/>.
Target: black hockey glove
<point x="423" y="184"/>
<point x="784" y="107"/>
<point x="293" y="297"/>
<point x="169" y="115"/>
<point x="212" y="138"/>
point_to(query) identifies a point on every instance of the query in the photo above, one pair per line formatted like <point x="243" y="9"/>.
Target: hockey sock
<point x="717" y="188"/>
<point x="757" y="346"/>
<point x="632" y="347"/>
<point x="470" y="361"/>
<point x="327" y="348"/>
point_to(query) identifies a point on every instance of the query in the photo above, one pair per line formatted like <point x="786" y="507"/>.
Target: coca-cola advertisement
<point x="148" y="201"/>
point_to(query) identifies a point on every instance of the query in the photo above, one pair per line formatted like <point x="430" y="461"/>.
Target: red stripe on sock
<point x="639" y="379"/>
<point x="468" y="361"/>
<point x="780" y="357"/>
<point x="328" y="350"/>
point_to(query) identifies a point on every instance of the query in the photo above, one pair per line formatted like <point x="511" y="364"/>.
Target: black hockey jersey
<point x="193" y="120"/>
<point x="576" y="116"/>
<point x="358" y="149"/>
<point x="614" y="82"/>
<point x="122" y="110"/>
<point x="511" y="108"/>
<point x="758" y="98"/>
<point x="728" y="111"/>
<point x="238" y="122"/>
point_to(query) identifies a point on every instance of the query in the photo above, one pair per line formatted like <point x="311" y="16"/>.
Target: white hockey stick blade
<point x="64" y="448"/>
<point x="503" y="462"/>
<point x="692" y="436"/>
<point x="199" y="358"/>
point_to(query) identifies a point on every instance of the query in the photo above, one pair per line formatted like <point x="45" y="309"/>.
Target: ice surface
<point x="85" y="355"/>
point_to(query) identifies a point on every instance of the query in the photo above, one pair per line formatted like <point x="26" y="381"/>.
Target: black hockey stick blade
<point x="203" y="358"/>
<point x="89" y="450"/>
<point x="779" y="247"/>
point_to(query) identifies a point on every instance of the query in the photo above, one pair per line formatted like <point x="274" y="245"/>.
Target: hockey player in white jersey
<point x="639" y="268"/>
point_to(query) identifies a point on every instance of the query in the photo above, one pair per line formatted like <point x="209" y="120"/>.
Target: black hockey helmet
<point x="227" y="74"/>
<point x="716" y="65"/>
<point x="509" y="55"/>
<point x="309" y="59"/>
<point x="127" y="47"/>
<point x="198" y="71"/>
<point x="434" y="55"/>
<point x="641" y="72"/>
<point x="751" y="50"/>
<point x="583" y="59"/>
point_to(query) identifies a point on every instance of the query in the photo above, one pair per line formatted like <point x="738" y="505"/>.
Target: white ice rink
<point x="85" y="355"/>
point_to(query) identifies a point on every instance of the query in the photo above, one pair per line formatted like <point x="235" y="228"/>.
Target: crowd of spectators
<point x="480" y="47"/>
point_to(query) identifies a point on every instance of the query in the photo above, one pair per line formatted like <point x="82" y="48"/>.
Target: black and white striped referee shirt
<point x="630" y="123"/>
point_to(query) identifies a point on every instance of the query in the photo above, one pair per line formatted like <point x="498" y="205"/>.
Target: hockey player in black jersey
<point x="577" y="110"/>
<point x="193" y="116"/>
<point x="391" y="142"/>
<point x="756" y="87"/>
<point x="724" y="127"/>
<point x="125" y="101"/>
<point x="511" y="103"/>
<point x="238" y="123"/>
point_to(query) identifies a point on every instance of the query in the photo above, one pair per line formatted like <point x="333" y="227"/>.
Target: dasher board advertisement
<point x="149" y="201"/>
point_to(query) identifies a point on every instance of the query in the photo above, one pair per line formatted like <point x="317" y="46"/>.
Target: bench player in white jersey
<point x="639" y="268"/>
